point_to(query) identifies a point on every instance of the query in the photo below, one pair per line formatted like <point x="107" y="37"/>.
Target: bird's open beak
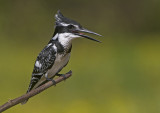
<point x="80" y="32"/>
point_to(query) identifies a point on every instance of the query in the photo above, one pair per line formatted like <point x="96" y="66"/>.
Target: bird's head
<point x="71" y="29"/>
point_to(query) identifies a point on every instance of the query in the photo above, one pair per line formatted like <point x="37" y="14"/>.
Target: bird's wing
<point x="44" y="61"/>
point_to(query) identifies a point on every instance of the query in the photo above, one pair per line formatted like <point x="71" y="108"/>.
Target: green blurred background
<point x="120" y="75"/>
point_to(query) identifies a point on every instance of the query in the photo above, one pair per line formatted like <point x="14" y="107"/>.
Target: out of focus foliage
<point x="119" y="75"/>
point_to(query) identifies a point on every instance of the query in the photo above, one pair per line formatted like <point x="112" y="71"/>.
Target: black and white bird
<point x="55" y="56"/>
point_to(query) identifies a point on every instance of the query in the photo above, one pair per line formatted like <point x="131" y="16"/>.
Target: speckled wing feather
<point x="44" y="62"/>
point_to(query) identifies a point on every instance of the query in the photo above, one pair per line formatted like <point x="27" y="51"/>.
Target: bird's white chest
<point x="59" y="63"/>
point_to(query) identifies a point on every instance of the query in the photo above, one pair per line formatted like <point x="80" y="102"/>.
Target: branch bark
<point x="32" y="93"/>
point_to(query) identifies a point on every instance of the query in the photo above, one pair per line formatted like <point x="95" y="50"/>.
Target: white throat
<point x="66" y="39"/>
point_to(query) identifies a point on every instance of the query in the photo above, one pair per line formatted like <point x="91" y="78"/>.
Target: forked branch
<point x="32" y="93"/>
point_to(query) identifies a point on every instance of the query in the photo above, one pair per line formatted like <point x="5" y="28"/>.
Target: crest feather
<point x="61" y="20"/>
<point x="59" y="16"/>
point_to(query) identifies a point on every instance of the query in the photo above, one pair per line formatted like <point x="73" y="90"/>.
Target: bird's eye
<point x="70" y="26"/>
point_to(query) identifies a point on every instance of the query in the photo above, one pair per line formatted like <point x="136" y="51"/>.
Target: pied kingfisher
<point x="56" y="54"/>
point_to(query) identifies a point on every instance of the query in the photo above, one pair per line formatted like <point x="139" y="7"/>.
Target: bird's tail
<point x="29" y="89"/>
<point x="24" y="102"/>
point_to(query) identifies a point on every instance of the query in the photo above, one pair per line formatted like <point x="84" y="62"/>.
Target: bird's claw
<point x="49" y="79"/>
<point x="62" y="75"/>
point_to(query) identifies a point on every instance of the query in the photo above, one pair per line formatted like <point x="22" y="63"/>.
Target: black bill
<point x="81" y="31"/>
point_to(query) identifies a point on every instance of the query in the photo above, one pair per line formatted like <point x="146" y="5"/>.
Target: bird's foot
<point x="50" y="79"/>
<point x="62" y="75"/>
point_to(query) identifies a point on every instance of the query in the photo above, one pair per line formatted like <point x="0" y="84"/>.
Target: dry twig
<point x="32" y="93"/>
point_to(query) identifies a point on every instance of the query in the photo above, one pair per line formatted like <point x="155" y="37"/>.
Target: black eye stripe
<point x="70" y="26"/>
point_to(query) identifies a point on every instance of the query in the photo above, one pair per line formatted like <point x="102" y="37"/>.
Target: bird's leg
<point x="49" y="79"/>
<point x="61" y="75"/>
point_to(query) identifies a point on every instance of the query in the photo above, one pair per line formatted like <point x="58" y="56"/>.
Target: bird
<point x="56" y="54"/>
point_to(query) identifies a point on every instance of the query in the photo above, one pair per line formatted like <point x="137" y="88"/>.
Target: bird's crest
<point x="63" y="21"/>
<point x="59" y="17"/>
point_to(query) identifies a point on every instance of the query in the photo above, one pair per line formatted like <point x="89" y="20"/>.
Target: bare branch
<point x="32" y="93"/>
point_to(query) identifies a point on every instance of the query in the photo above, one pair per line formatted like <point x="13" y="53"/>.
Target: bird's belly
<point x="59" y="63"/>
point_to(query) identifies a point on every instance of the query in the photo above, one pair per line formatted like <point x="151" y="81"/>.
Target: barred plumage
<point x="55" y="56"/>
